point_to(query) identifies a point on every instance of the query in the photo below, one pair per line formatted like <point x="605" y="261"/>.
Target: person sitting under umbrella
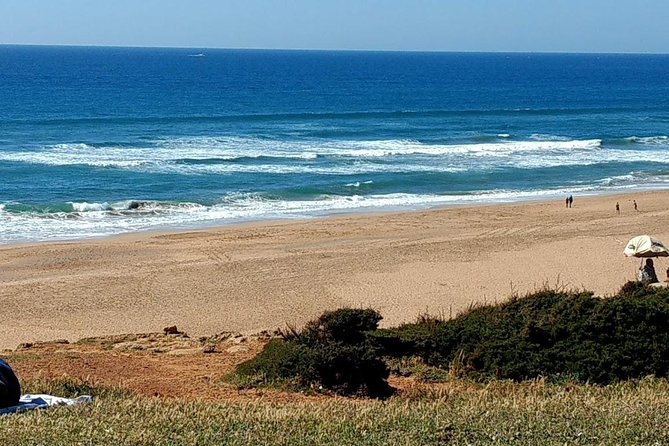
<point x="647" y="273"/>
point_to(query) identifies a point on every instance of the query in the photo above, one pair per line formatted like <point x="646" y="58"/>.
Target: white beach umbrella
<point x="645" y="246"/>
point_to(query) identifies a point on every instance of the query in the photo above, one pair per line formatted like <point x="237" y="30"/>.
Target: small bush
<point x="334" y="351"/>
<point x="282" y="361"/>
<point x="346" y="325"/>
<point x="353" y="369"/>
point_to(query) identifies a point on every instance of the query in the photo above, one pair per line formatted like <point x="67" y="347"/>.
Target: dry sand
<point x="256" y="277"/>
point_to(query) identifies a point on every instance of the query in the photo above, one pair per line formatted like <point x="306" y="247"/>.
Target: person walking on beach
<point x="635" y="207"/>
<point x="617" y="208"/>
<point x="566" y="202"/>
<point x="571" y="200"/>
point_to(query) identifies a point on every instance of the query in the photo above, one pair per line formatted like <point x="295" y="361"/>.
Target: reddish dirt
<point x="153" y="365"/>
<point x="163" y="366"/>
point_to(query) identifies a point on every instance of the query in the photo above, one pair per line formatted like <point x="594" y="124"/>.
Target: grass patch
<point x="460" y="412"/>
<point x="71" y="388"/>
<point x="415" y="367"/>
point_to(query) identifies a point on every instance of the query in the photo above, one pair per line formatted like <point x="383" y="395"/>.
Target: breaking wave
<point x="650" y="140"/>
<point x="84" y="220"/>
<point x="233" y="154"/>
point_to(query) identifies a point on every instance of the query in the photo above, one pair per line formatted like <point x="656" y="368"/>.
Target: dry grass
<point x="456" y="412"/>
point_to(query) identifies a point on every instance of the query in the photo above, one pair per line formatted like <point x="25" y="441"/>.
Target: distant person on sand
<point x="566" y="202"/>
<point x="10" y="389"/>
<point x="635" y="207"/>
<point x="617" y="208"/>
<point x="647" y="273"/>
<point x="667" y="279"/>
<point x="571" y="200"/>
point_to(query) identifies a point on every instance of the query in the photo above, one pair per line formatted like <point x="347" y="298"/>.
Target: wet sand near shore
<point x="264" y="276"/>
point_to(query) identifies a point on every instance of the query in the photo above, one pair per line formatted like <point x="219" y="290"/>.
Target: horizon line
<point x="68" y="45"/>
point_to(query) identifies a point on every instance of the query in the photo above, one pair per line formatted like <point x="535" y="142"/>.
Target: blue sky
<point x="432" y="25"/>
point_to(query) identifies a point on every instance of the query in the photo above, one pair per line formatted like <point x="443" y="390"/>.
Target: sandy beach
<point x="264" y="276"/>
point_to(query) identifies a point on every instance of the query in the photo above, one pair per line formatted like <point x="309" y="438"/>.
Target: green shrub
<point x="548" y="333"/>
<point x="353" y="369"/>
<point x="634" y="289"/>
<point x="282" y="361"/>
<point x="333" y="351"/>
<point x="553" y="334"/>
<point x="346" y="325"/>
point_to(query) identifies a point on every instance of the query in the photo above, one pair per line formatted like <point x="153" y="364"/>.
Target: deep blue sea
<point x="101" y="141"/>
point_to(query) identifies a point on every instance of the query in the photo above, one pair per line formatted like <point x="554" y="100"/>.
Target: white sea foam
<point x="617" y="180"/>
<point x="650" y="140"/>
<point x="373" y="149"/>
<point x="90" y="222"/>
<point x="230" y="148"/>
<point x="135" y="206"/>
<point x="90" y="207"/>
<point x="161" y="152"/>
<point x="358" y="183"/>
<point x="288" y="169"/>
<point x="543" y="137"/>
<point x="233" y="148"/>
<point x="195" y="156"/>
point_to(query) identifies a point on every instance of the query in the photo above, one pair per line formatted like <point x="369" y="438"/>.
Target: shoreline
<point x="263" y="275"/>
<point x="219" y="226"/>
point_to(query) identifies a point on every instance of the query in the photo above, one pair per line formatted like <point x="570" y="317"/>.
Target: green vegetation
<point x="550" y="334"/>
<point x="556" y="334"/>
<point x="462" y="412"/>
<point x="561" y="346"/>
<point x="333" y="352"/>
<point x="71" y="388"/>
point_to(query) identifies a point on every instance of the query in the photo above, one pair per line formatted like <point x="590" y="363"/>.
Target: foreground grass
<point x="503" y="413"/>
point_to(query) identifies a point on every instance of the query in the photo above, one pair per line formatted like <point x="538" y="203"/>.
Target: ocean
<point x="102" y="141"/>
